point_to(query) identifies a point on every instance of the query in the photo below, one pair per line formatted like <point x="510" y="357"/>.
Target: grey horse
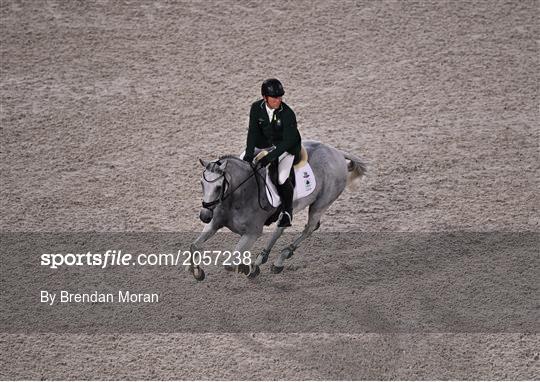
<point x="232" y="194"/>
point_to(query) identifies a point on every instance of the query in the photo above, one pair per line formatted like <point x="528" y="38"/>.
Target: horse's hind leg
<point x="314" y="222"/>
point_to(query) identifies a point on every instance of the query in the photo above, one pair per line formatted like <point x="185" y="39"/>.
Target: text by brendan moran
<point x="122" y="297"/>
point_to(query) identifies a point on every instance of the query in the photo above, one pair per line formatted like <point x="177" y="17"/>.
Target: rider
<point x="272" y="123"/>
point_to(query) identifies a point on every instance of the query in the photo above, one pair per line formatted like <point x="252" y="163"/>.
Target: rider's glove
<point x="263" y="161"/>
<point x="248" y="159"/>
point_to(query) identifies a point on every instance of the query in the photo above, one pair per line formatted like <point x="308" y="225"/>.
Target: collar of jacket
<point x="280" y="106"/>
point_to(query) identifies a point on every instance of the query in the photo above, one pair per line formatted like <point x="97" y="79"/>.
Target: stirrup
<point x="285" y="219"/>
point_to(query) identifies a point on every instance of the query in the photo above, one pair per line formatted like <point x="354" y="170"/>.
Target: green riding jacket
<point x="280" y="132"/>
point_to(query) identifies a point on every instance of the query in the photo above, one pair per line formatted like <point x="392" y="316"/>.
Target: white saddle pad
<point x="305" y="184"/>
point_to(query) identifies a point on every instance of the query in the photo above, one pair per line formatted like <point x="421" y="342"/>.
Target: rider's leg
<point x="286" y="161"/>
<point x="285" y="189"/>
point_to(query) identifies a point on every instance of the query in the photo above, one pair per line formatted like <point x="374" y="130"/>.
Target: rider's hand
<point x="248" y="159"/>
<point x="263" y="161"/>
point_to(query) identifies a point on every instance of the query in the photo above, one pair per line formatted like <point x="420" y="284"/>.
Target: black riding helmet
<point x="272" y="88"/>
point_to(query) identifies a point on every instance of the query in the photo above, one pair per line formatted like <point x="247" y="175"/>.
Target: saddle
<point x="303" y="158"/>
<point x="301" y="175"/>
<point x="303" y="181"/>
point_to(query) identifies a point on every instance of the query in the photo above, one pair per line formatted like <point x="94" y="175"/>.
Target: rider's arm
<point x="253" y="131"/>
<point x="291" y="137"/>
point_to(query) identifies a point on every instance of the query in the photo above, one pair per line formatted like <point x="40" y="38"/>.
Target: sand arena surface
<point x="105" y="107"/>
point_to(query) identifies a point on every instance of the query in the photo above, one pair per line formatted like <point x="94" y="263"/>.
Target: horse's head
<point x="214" y="184"/>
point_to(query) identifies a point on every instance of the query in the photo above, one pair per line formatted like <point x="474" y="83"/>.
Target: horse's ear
<point x="203" y="162"/>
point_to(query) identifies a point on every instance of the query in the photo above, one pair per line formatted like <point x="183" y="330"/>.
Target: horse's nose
<point x="206" y="215"/>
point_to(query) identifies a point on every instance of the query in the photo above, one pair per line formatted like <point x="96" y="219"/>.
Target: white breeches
<point x="286" y="161"/>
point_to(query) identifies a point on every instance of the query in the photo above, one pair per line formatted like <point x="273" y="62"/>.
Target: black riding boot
<point x="286" y="191"/>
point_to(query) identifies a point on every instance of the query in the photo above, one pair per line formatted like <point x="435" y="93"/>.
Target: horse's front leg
<point x="208" y="231"/>
<point x="244" y="244"/>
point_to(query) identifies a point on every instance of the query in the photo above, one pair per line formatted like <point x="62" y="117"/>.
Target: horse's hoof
<point x="275" y="269"/>
<point x="264" y="256"/>
<point x="198" y="273"/>
<point x="255" y="272"/>
<point x="287" y="252"/>
<point x="243" y="268"/>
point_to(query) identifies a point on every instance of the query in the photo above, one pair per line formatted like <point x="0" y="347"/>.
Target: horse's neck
<point x="244" y="177"/>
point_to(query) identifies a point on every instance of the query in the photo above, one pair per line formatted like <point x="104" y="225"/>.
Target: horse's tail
<point x="357" y="169"/>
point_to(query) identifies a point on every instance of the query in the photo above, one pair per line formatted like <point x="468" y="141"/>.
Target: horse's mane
<point x="232" y="156"/>
<point x="214" y="165"/>
<point x="229" y="156"/>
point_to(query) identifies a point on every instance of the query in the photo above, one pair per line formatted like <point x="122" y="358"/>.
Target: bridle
<point x="226" y="185"/>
